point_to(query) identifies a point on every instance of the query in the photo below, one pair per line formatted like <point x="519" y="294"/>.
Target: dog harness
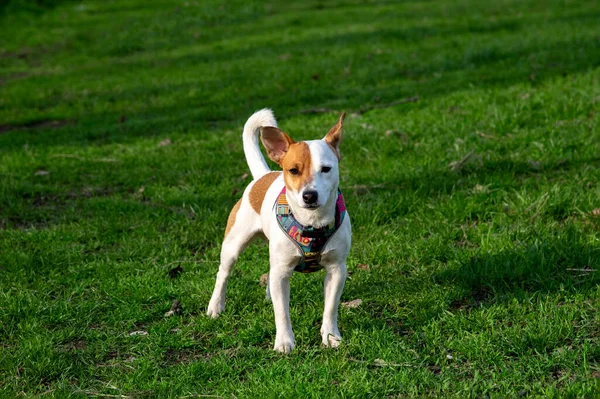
<point x="310" y="240"/>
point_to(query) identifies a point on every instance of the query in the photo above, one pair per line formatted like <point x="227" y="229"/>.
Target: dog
<point x="300" y="211"/>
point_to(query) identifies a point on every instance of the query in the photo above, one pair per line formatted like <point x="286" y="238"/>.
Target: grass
<point x="475" y="202"/>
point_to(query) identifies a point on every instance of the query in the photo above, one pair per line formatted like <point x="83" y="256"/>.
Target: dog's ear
<point x="334" y="137"/>
<point x="276" y="142"/>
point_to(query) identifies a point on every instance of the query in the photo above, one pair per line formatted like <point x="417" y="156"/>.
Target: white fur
<point x="284" y="255"/>
<point x="255" y="159"/>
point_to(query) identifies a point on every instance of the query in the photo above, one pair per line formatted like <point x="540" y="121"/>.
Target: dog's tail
<point x="256" y="160"/>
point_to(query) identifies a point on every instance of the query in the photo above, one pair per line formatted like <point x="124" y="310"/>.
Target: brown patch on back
<point x="231" y="218"/>
<point x="297" y="157"/>
<point x="259" y="189"/>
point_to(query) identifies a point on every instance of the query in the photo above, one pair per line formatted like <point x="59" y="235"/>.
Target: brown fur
<point x="231" y="218"/>
<point x="297" y="156"/>
<point x="276" y="142"/>
<point x="259" y="189"/>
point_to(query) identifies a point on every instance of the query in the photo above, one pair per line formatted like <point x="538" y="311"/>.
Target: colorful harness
<point x="310" y="240"/>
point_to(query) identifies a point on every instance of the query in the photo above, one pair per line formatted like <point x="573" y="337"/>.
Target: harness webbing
<point x="310" y="240"/>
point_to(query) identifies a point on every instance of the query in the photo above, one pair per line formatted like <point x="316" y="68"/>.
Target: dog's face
<point x="310" y="168"/>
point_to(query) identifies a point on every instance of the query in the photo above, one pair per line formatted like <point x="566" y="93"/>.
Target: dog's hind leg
<point x="241" y="229"/>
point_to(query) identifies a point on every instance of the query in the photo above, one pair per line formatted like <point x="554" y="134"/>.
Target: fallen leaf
<point x="383" y="363"/>
<point x="362" y="266"/>
<point x="141" y="190"/>
<point x="244" y="176"/>
<point x="164" y="143"/>
<point x="352" y="304"/>
<point x="537" y="165"/>
<point x="380" y="362"/>
<point x="141" y="332"/>
<point x="595" y="212"/>
<point x="458" y="165"/>
<point x="478" y="188"/>
<point x="486" y="136"/>
<point x="175" y="309"/>
<point x="264" y="280"/>
<point x="42" y="172"/>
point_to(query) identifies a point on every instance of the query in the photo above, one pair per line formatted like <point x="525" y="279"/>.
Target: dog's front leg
<point x="279" y="288"/>
<point x="334" y="285"/>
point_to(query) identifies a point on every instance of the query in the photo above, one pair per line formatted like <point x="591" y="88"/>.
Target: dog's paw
<point x="331" y="339"/>
<point x="284" y="345"/>
<point x="215" y="308"/>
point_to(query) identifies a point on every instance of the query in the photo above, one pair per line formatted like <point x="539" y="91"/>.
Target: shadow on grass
<point x="564" y="262"/>
<point x="289" y="89"/>
<point x="441" y="182"/>
<point x="482" y="67"/>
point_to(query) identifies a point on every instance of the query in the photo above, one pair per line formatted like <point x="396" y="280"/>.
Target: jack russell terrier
<point x="300" y="211"/>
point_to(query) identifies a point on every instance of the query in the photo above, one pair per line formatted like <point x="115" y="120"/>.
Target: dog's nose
<point x="310" y="197"/>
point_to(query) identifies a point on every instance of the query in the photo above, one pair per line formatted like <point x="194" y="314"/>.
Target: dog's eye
<point x="294" y="171"/>
<point x="325" y="169"/>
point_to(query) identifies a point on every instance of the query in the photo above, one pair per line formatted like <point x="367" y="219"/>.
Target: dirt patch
<point x="41" y="124"/>
<point x="61" y="199"/>
<point x="72" y="346"/>
<point x="28" y="53"/>
<point x="23" y="53"/>
<point x="175" y="272"/>
<point x="16" y="222"/>
<point x="481" y="294"/>
<point x="15" y="76"/>
<point x="43" y="208"/>
<point x="478" y="296"/>
<point x="184" y="356"/>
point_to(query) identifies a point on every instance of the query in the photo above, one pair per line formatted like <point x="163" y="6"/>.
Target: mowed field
<point x="471" y="171"/>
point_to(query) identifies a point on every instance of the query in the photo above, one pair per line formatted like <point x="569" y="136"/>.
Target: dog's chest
<point x="310" y="240"/>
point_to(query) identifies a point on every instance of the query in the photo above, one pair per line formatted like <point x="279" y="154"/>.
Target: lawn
<point x="471" y="171"/>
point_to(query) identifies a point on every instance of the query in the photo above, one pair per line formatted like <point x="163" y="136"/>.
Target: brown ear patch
<point x="259" y="189"/>
<point x="298" y="157"/>
<point x="232" y="215"/>
<point x="334" y="137"/>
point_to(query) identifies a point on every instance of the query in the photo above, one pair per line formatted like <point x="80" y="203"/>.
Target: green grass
<point x="470" y="290"/>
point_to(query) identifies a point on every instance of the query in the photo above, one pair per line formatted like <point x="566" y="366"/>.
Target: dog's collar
<point x="310" y="240"/>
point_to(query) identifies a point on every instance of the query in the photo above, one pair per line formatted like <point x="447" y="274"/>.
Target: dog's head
<point x="310" y="168"/>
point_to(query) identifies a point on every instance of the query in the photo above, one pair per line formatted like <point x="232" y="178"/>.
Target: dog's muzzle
<point x="310" y="198"/>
